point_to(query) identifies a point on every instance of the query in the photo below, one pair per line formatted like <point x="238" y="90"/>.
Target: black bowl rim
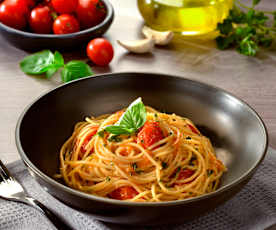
<point x="109" y="17"/>
<point x="75" y="192"/>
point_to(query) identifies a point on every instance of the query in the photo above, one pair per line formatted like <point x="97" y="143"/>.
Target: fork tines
<point x="4" y="173"/>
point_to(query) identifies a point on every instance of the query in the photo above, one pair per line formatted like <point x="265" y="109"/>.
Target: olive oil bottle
<point x="188" y="17"/>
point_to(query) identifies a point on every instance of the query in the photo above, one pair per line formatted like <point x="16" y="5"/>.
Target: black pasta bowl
<point x="34" y="42"/>
<point x="235" y="129"/>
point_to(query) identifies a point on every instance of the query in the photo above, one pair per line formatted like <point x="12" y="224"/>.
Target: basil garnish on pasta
<point x="134" y="118"/>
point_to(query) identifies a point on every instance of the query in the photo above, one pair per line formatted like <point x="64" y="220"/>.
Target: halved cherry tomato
<point x="90" y="12"/>
<point x="87" y="139"/>
<point x="66" y="24"/>
<point x="100" y="51"/>
<point x="64" y="6"/>
<point x="41" y="20"/>
<point x="149" y="134"/>
<point x="123" y="193"/>
<point x="184" y="174"/>
<point x="193" y="129"/>
<point x="13" y="13"/>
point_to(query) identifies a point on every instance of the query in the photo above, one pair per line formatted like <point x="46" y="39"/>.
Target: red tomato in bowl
<point x="64" y="6"/>
<point x="100" y="51"/>
<point x="13" y="13"/>
<point x="40" y="20"/>
<point x="90" y="12"/>
<point x="66" y="24"/>
<point x="30" y="3"/>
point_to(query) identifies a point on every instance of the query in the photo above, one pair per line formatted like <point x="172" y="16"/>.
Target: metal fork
<point x="11" y="189"/>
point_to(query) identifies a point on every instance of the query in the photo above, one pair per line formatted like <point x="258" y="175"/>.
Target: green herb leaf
<point x="266" y="42"/>
<point x="51" y="71"/>
<point x="101" y="133"/>
<point x="74" y="70"/>
<point x="191" y="162"/>
<point x="135" y="115"/>
<point x="237" y="16"/>
<point x="247" y="29"/>
<point x="58" y="62"/>
<point x="226" y="27"/>
<point x="164" y="165"/>
<point x="248" y="47"/>
<point x="134" y="118"/>
<point x="225" y="42"/>
<point x="210" y="172"/>
<point x="116" y="129"/>
<point x="38" y="63"/>
<point x="114" y="138"/>
<point x="256" y="2"/>
<point x="134" y="166"/>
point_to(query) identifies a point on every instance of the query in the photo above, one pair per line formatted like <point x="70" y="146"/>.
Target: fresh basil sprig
<point x="74" y="70"/>
<point x="134" y="118"/>
<point x="48" y="63"/>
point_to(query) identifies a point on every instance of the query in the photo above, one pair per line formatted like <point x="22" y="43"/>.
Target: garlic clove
<point x="160" y="38"/>
<point x="138" y="46"/>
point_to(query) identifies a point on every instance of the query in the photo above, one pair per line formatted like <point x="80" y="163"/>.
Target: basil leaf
<point x="116" y="129"/>
<point x="135" y="115"/>
<point x="74" y="70"/>
<point x="50" y="72"/>
<point x="37" y="63"/>
<point x="134" y="118"/>
<point x="58" y="62"/>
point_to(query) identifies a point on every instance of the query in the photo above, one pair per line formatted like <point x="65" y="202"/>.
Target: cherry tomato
<point x="149" y="134"/>
<point x="66" y="24"/>
<point x="184" y="174"/>
<point x="30" y="3"/>
<point x="90" y="12"/>
<point x="87" y="139"/>
<point x="48" y="3"/>
<point x="123" y="193"/>
<point x="41" y="20"/>
<point x="100" y="51"/>
<point x="64" y="6"/>
<point x="193" y="129"/>
<point x="13" y="13"/>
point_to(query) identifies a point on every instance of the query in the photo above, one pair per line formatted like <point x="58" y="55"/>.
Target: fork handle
<point x="56" y="220"/>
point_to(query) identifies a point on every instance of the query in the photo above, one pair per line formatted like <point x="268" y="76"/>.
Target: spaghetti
<point x="166" y="159"/>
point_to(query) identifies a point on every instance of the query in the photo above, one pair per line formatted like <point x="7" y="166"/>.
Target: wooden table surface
<point x="251" y="79"/>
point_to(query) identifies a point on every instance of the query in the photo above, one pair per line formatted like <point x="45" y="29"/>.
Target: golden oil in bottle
<point x="188" y="17"/>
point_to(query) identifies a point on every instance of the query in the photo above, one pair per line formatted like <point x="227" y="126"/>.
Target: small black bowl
<point x="33" y="42"/>
<point x="235" y="130"/>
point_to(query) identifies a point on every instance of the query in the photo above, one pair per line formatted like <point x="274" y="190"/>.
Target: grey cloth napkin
<point x="252" y="208"/>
